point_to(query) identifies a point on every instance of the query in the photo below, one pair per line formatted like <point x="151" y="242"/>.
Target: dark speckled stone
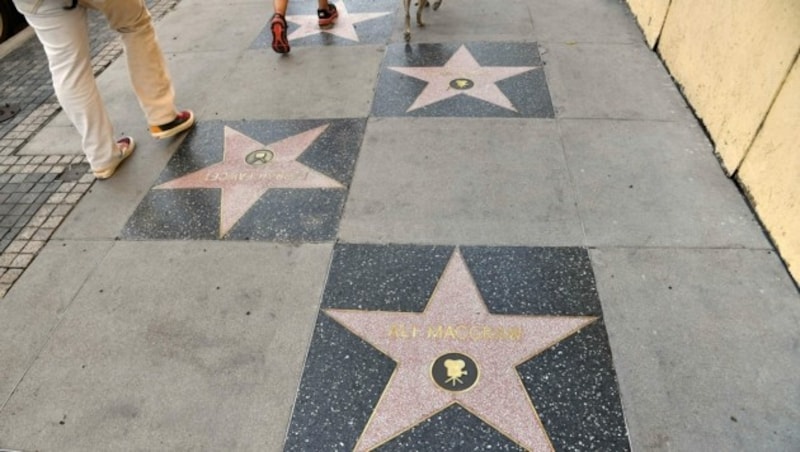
<point x="343" y="379"/>
<point x="285" y="215"/>
<point x="528" y="92"/>
<point x="534" y="281"/>
<point x="452" y="429"/>
<point x="572" y="385"/>
<point x="378" y="277"/>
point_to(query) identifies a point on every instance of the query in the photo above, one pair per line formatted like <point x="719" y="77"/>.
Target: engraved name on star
<point x="344" y="26"/>
<point x="456" y="352"/>
<point x="248" y="169"/>
<point x="462" y="75"/>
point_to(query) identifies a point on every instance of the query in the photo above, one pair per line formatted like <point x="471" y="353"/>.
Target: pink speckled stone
<point x="497" y="343"/>
<point x="243" y="184"/>
<point x="462" y="65"/>
<point x="308" y="25"/>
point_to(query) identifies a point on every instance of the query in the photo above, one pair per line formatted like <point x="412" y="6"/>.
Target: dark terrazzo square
<point x="280" y="214"/>
<point x="372" y="31"/>
<point x="528" y="92"/>
<point x="572" y="385"/>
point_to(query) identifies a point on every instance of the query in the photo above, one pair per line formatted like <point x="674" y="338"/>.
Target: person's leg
<point x="326" y="13"/>
<point x="64" y="36"/>
<point x="146" y="65"/>
<point x="279" y="6"/>
<point x="278" y="26"/>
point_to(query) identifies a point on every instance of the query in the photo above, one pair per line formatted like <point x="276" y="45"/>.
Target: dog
<point x="421" y="5"/>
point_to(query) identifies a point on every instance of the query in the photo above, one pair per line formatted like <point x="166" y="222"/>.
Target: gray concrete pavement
<point x="145" y="344"/>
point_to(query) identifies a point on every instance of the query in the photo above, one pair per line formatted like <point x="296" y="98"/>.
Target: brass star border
<point x="366" y="386"/>
<point x="282" y="181"/>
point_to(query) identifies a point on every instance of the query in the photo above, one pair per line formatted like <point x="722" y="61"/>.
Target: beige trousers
<point x="65" y="37"/>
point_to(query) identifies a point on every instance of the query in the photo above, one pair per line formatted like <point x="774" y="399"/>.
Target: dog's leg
<point x="407" y="33"/>
<point x="420" y="8"/>
<point x="437" y="4"/>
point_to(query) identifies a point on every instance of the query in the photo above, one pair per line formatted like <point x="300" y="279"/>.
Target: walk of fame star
<point x="249" y="169"/>
<point x="462" y="75"/>
<point x="343" y="28"/>
<point x="457" y="337"/>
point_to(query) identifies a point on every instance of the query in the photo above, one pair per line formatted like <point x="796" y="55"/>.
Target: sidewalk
<point x="510" y="234"/>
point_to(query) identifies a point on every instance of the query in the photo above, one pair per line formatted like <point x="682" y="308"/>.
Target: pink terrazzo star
<point x="243" y="183"/>
<point x="456" y="321"/>
<point x="343" y="28"/>
<point x="462" y="70"/>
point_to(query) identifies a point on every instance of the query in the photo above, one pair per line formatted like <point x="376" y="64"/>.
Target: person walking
<point x="326" y="13"/>
<point x="62" y="28"/>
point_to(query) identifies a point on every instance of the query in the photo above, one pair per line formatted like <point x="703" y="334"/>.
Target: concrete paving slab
<point x="614" y="81"/>
<point x="583" y="21"/>
<point x="435" y="181"/>
<point x="309" y="83"/>
<point x="195" y="76"/>
<point x="649" y="184"/>
<point x="54" y="140"/>
<point x="60" y="119"/>
<point x="705" y="345"/>
<point x="34" y="307"/>
<point x="104" y="209"/>
<point x="162" y="356"/>
<point x="214" y="27"/>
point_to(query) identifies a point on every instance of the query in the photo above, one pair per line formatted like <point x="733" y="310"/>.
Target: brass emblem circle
<point x="454" y="372"/>
<point x="259" y="157"/>
<point x="461" y="83"/>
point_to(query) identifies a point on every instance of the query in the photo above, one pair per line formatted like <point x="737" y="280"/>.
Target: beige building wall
<point x="770" y="172"/>
<point x="731" y="57"/>
<point x="737" y="64"/>
<point x="650" y="14"/>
